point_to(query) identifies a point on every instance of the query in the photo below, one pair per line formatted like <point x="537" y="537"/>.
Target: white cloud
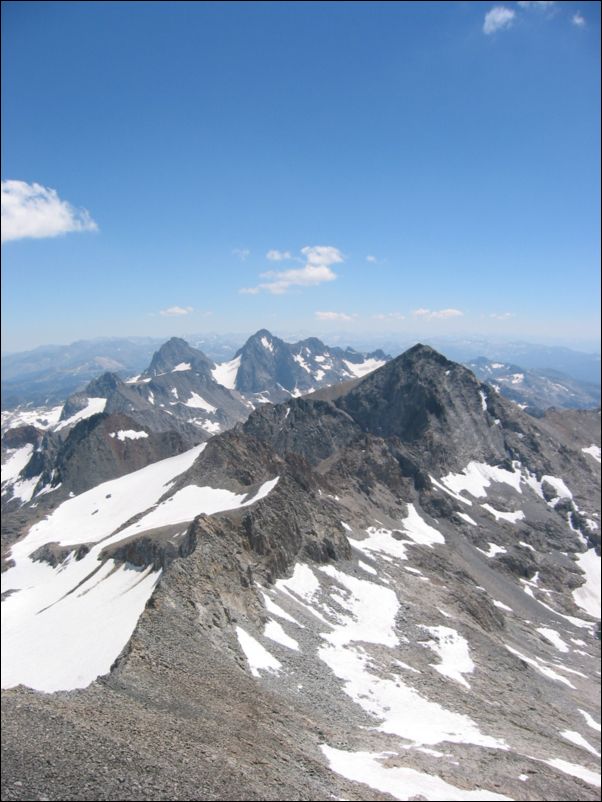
<point x="316" y="270"/>
<point x="334" y="316"/>
<point x="242" y="253"/>
<point x="35" y="211"/>
<point x="578" y="20"/>
<point x="497" y="18"/>
<point x="176" y="311"/>
<point x="502" y="315"/>
<point x="541" y="5"/>
<point x="389" y="316"/>
<point x="371" y="258"/>
<point x="437" y="314"/>
<point x="278" y="256"/>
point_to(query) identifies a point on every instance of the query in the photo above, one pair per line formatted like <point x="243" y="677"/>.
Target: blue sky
<point x="410" y="167"/>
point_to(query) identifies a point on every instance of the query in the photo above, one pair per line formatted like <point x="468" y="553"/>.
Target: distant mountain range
<point x="536" y="390"/>
<point x="180" y="400"/>
<point x="47" y="375"/>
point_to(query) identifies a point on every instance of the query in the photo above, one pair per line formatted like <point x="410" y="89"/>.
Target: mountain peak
<point x="423" y="398"/>
<point x="177" y="352"/>
<point x="103" y="386"/>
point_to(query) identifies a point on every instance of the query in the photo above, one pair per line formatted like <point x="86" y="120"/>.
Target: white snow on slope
<point x="593" y="451"/>
<point x="554" y="638"/>
<point x="540" y="667"/>
<point x="380" y="541"/>
<point x="574" y="770"/>
<point x="65" y="626"/>
<point x="453" y="651"/>
<point x="23" y="490"/>
<point x="225" y="373"/>
<point x="588" y="595"/>
<point x="400" y="709"/>
<point x="15" y="463"/>
<point x="58" y="636"/>
<point x="360" y="369"/>
<point x="267" y="344"/>
<point x="182" y="366"/>
<point x="590" y="720"/>
<point x="275" y="609"/>
<point x="492" y="551"/>
<point x="93" y="407"/>
<point x="197" y="402"/>
<point x="420" y="532"/>
<point x="190" y="501"/>
<point x="301" y="362"/>
<point x="98" y="512"/>
<point x="398" y="781"/>
<point x="128" y="434"/>
<point x="258" y="658"/>
<point x="579" y="740"/>
<point x="477" y="476"/>
<point x="274" y="632"/>
<point x="40" y="417"/>
<point x="511" y="517"/>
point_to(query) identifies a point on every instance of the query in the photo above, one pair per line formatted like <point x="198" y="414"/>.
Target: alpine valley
<point x="304" y="572"/>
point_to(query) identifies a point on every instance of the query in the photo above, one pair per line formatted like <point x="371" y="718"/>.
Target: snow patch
<point x="93" y="407"/>
<point x="398" y="781"/>
<point x="274" y="632"/>
<point x="453" y="651"/>
<point x="197" y="402"/>
<point x="554" y="638"/>
<point x="258" y="658"/>
<point x="360" y="369"/>
<point x="17" y="460"/>
<point x="593" y="451"/>
<point x="511" y="517"/>
<point x="588" y="595"/>
<point x="128" y="434"/>
<point x="226" y="373"/>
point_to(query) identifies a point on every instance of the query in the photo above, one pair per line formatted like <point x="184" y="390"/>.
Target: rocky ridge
<point x="415" y="516"/>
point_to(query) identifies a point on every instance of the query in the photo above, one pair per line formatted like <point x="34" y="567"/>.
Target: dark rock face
<point x="21" y="436"/>
<point x="175" y="352"/>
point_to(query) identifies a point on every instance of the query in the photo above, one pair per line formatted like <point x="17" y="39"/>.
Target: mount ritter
<point x="303" y="573"/>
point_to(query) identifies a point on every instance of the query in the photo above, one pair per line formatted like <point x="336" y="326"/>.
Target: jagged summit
<point x="103" y="386"/>
<point x="176" y="354"/>
<point x="277" y="369"/>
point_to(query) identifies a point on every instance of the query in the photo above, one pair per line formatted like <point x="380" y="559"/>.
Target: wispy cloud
<point x="334" y="316"/>
<point x="430" y="314"/>
<point x="371" y="258"/>
<point x="578" y="20"/>
<point x="497" y="18"/>
<point x="34" y="211"/>
<point x="316" y="270"/>
<point x="176" y="311"/>
<point x="502" y="315"/>
<point x="540" y="5"/>
<point x="242" y="253"/>
<point x="278" y="256"/>
<point x="388" y="316"/>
